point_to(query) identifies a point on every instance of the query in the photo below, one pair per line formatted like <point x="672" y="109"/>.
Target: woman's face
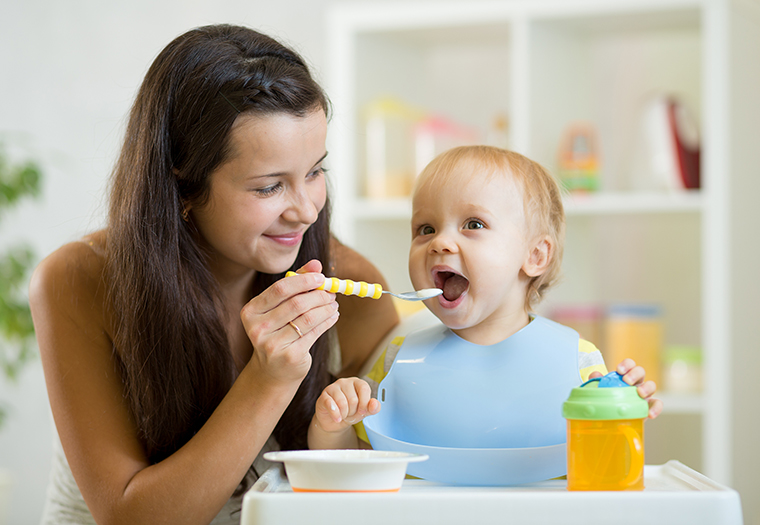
<point x="266" y="195"/>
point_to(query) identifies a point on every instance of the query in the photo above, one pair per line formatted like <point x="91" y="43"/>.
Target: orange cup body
<point x="605" y="455"/>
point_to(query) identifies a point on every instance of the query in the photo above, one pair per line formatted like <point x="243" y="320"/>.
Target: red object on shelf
<point x="685" y="145"/>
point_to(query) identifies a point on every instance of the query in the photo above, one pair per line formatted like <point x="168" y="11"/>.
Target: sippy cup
<point x="605" y="435"/>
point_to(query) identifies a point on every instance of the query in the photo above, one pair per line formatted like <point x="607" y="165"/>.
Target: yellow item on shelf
<point x="635" y="331"/>
<point x="390" y="150"/>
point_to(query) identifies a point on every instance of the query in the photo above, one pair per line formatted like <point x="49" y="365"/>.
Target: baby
<point x="487" y="228"/>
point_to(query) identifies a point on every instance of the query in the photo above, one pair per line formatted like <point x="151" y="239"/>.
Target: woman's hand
<point x="285" y="320"/>
<point x="634" y="376"/>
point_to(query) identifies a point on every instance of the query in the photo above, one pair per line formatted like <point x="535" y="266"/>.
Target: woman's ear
<point x="539" y="257"/>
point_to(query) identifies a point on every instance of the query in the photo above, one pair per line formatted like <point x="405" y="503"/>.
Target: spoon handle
<point x="349" y="287"/>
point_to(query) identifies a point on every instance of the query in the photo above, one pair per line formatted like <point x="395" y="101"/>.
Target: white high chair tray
<point x="673" y="494"/>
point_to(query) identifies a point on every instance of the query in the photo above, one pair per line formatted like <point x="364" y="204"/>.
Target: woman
<point x="174" y="352"/>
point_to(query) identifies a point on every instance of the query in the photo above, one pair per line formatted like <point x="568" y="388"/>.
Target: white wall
<point x="68" y="74"/>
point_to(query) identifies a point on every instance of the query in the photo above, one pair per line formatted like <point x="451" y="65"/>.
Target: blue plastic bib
<point x="486" y="415"/>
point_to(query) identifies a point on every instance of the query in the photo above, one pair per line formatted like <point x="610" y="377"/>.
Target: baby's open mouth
<point x="452" y="284"/>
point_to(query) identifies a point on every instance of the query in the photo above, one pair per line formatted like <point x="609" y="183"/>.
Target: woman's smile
<point x="287" y="239"/>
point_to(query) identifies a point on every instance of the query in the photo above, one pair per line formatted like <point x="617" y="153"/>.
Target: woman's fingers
<point x="312" y="266"/>
<point x="283" y="290"/>
<point x="308" y="312"/>
<point x="290" y="300"/>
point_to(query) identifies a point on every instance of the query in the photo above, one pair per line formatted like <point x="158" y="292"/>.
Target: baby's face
<point x="469" y="237"/>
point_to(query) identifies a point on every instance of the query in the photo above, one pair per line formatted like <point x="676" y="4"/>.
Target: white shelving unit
<point x="546" y="64"/>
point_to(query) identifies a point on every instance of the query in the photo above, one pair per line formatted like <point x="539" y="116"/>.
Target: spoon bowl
<point x="417" y="295"/>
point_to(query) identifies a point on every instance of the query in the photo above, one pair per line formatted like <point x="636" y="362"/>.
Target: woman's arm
<point x="363" y="322"/>
<point x="99" y="437"/>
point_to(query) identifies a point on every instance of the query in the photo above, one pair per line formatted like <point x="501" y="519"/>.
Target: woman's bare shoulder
<point x="72" y="276"/>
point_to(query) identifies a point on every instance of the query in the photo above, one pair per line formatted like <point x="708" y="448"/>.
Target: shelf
<point x="676" y="403"/>
<point x="602" y="203"/>
<point x="546" y="64"/>
<point x="386" y="209"/>
<point x="606" y="203"/>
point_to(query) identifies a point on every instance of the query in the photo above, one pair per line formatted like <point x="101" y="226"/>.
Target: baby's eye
<point x="426" y="230"/>
<point x="474" y="224"/>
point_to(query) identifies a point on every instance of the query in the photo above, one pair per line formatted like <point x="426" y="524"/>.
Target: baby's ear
<point x="539" y="257"/>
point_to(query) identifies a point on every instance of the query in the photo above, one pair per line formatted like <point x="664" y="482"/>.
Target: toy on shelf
<point x="435" y="134"/>
<point x="579" y="158"/>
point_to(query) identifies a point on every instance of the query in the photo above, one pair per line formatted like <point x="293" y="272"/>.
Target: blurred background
<point x="647" y="113"/>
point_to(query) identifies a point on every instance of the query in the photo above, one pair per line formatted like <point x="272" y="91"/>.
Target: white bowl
<point x="345" y="470"/>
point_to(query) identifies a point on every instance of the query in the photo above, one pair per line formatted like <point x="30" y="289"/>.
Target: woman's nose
<point x="301" y="207"/>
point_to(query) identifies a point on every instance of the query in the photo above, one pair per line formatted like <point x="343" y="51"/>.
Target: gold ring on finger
<point x="298" y="330"/>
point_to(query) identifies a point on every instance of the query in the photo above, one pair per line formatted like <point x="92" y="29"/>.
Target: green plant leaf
<point x="17" y="181"/>
<point x="16" y="327"/>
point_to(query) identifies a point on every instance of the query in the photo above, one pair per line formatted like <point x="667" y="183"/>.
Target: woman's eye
<point x="268" y="190"/>
<point x="318" y="172"/>
<point x="474" y="224"/>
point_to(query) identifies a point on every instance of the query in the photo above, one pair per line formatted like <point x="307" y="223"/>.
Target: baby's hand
<point x="344" y="403"/>
<point x="634" y="376"/>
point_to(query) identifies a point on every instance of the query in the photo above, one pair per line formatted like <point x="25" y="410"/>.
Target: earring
<point x="185" y="214"/>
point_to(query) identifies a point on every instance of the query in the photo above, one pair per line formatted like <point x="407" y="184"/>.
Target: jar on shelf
<point x="682" y="369"/>
<point x="635" y="331"/>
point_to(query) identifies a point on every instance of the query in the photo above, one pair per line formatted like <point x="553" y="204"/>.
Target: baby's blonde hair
<point x="542" y="199"/>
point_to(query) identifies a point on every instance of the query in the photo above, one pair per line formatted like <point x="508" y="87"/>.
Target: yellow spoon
<point x="375" y="291"/>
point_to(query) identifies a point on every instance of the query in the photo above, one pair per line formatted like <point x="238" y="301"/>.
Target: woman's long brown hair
<point x="169" y="337"/>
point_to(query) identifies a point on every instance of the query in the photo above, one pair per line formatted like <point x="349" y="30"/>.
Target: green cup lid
<point x="605" y="398"/>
